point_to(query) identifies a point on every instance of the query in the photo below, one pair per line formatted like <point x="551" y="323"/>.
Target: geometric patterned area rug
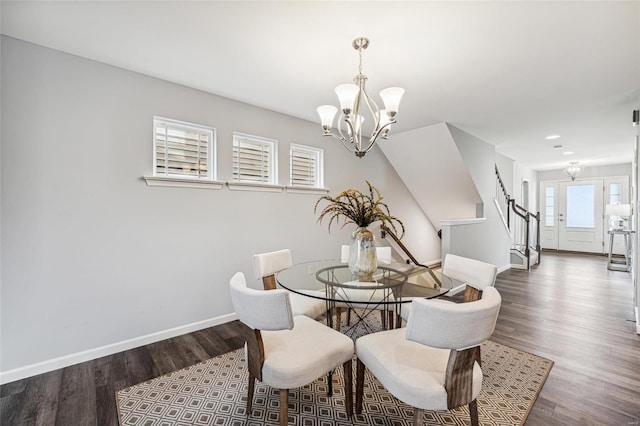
<point x="214" y="393"/>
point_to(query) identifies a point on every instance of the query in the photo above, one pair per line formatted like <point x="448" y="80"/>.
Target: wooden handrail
<point x="383" y="233"/>
<point x="384" y="230"/>
<point x="502" y="186"/>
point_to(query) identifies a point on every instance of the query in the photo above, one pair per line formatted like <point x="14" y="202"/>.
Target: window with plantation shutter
<point x="254" y="159"/>
<point x="183" y="150"/>
<point x="305" y="166"/>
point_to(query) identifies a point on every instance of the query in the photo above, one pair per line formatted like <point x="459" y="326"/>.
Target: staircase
<point x="523" y="226"/>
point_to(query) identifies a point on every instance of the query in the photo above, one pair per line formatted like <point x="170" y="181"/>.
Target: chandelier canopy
<point x="353" y="99"/>
<point x="573" y="170"/>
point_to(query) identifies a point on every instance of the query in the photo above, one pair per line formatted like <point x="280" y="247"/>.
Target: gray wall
<point x="91" y="256"/>
<point x="488" y="241"/>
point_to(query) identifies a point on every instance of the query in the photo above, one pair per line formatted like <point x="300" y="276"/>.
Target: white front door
<point x="580" y="216"/>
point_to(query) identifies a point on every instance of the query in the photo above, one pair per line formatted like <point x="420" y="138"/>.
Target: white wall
<point x="431" y="167"/>
<point x="521" y="173"/>
<point x="488" y="241"/>
<point x="91" y="256"/>
<point x="506" y="168"/>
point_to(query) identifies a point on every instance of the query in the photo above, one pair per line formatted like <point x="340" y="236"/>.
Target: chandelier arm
<point x="351" y="138"/>
<point x="339" y="127"/>
<point x="373" y="110"/>
<point x="344" y="138"/>
<point x="376" y="135"/>
<point x="381" y="130"/>
<point x="356" y="137"/>
<point x="341" y="139"/>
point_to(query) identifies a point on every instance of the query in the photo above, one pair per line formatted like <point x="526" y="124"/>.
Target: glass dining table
<point x="389" y="288"/>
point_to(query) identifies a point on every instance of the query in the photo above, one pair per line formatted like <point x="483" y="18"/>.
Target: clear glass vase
<point x="362" y="254"/>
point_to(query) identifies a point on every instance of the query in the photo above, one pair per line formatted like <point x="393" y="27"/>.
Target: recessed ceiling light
<point x="552" y="137"/>
<point x="557" y="147"/>
<point x="568" y="153"/>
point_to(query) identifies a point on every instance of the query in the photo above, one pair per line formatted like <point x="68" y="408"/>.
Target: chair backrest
<point x="383" y="254"/>
<point x="473" y="273"/>
<point x="260" y="310"/>
<point x="265" y="265"/>
<point x="446" y="325"/>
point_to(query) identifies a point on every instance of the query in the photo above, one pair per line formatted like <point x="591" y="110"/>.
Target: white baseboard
<point x="88" y="355"/>
<point x="637" y="321"/>
<point x="504" y="268"/>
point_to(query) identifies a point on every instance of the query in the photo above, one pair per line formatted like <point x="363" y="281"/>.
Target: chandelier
<point x="573" y="170"/>
<point x="353" y="99"/>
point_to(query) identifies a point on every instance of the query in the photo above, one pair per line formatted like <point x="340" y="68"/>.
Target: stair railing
<point x="384" y="231"/>
<point x="523" y="225"/>
<point x="526" y="230"/>
<point x="502" y="198"/>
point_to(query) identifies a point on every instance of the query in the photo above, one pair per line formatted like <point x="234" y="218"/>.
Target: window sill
<point x="307" y="190"/>
<point x="262" y="187"/>
<point x="182" y="182"/>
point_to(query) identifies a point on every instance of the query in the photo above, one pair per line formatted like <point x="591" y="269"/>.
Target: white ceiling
<point x="510" y="73"/>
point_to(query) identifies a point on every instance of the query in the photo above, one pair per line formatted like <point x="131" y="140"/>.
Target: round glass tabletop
<point x="331" y="280"/>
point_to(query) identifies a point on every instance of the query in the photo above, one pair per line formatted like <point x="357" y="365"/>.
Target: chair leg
<point x="349" y="316"/>
<point x="348" y="387"/>
<point x="473" y="412"/>
<point x="359" y="385"/>
<point x="338" y="317"/>
<point x="252" y="383"/>
<point x="418" y="416"/>
<point x="398" y="321"/>
<point x="284" y="407"/>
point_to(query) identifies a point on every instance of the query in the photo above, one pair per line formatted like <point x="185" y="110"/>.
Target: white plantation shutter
<point x="254" y="159"/>
<point x="305" y="166"/>
<point x="183" y="149"/>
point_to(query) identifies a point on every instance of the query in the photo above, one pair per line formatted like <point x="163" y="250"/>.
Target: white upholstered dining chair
<point x="286" y="351"/>
<point x="433" y="363"/>
<point x="475" y="274"/>
<point x="266" y="265"/>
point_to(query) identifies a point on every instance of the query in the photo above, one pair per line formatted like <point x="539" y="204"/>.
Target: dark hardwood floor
<point x="569" y="309"/>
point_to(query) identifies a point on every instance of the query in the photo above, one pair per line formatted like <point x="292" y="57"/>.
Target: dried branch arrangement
<point x="359" y="208"/>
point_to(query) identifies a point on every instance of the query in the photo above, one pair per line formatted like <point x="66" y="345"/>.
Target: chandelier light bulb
<point x="391" y="97"/>
<point x="347" y="95"/>
<point x="326" y="113"/>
